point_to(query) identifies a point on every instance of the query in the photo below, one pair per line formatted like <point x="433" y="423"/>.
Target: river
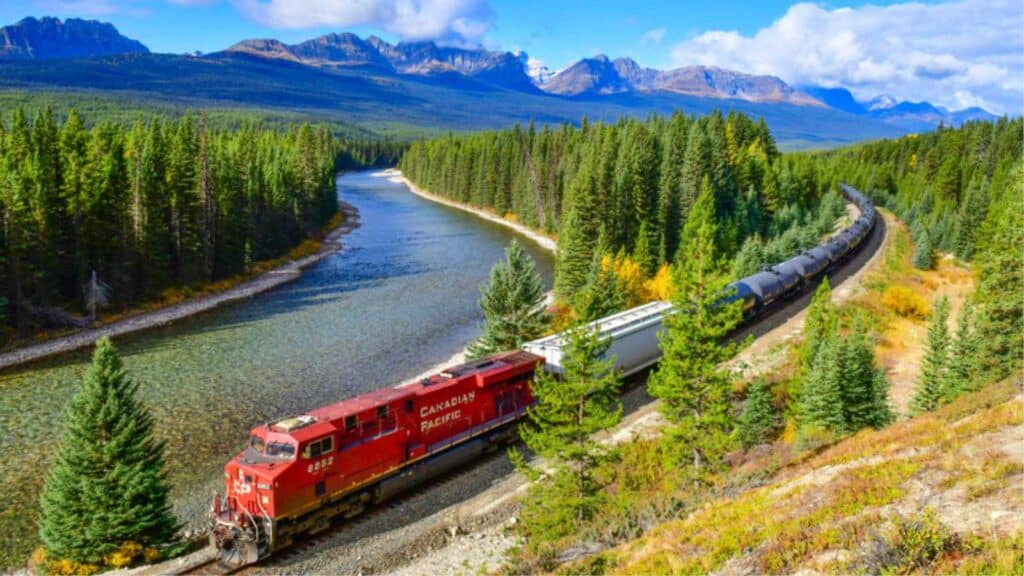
<point x="400" y="297"/>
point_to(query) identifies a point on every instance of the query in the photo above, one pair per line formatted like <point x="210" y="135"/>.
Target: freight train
<point x="298" y="474"/>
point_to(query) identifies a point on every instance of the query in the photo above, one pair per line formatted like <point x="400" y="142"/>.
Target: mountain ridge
<point x="909" y="115"/>
<point x="407" y="77"/>
<point x="50" y="38"/>
<point x="599" y="75"/>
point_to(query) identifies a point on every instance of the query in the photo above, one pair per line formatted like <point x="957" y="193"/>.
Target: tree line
<point x="153" y="204"/>
<point x="623" y="189"/>
<point x="943" y="182"/>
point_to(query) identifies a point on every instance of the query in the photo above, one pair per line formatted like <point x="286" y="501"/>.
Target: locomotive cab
<point x="243" y="520"/>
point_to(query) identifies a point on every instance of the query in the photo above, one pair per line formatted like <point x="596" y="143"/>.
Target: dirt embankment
<point x="284" y="273"/>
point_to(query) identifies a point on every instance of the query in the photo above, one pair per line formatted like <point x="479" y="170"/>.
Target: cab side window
<point x="319" y="447"/>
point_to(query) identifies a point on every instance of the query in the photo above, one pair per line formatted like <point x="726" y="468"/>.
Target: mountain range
<point x="914" y="116"/>
<point x="47" y="38"/>
<point x="417" y="83"/>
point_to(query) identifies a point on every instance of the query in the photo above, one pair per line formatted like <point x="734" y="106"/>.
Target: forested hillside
<point x="636" y="199"/>
<point x="150" y="205"/>
<point x="626" y="189"/>
<point x="943" y="182"/>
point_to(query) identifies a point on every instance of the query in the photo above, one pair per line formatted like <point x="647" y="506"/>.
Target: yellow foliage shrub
<point x="633" y="280"/>
<point x="660" y="287"/>
<point x="123" y="556"/>
<point x="511" y="217"/>
<point x="151" y="555"/>
<point x="905" y="302"/>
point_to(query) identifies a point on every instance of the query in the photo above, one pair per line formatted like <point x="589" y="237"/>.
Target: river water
<point x="400" y="297"/>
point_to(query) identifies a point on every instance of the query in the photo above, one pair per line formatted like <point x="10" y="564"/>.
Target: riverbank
<point x="282" y="274"/>
<point x="395" y="175"/>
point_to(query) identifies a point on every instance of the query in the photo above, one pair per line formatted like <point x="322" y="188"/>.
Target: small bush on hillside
<point x="905" y="302"/>
<point x="916" y="542"/>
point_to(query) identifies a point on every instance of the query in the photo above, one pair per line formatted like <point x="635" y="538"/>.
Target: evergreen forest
<point x="118" y="212"/>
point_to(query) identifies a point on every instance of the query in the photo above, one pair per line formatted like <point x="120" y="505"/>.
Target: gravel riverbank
<point x="542" y="240"/>
<point x="282" y="274"/>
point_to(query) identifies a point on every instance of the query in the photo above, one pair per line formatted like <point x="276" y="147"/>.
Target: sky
<point x="954" y="54"/>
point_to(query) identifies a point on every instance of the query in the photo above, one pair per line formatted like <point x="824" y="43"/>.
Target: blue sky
<point x="951" y="53"/>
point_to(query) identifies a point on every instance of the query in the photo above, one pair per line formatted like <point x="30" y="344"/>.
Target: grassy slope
<point x="390" y="104"/>
<point x="825" y="512"/>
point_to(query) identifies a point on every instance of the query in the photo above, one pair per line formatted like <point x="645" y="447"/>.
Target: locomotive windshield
<point x="271" y="449"/>
<point x="280" y="450"/>
<point x="256" y="443"/>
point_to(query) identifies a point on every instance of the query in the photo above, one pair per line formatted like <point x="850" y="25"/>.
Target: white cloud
<point x="952" y="54"/>
<point x="457" y="21"/>
<point x="653" y="36"/>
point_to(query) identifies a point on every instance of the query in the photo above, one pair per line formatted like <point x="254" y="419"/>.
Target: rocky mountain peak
<point x="50" y="38"/>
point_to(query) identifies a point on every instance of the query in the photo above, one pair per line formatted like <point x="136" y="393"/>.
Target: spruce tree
<point x="865" y="390"/>
<point x="512" y="303"/>
<point x="750" y="258"/>
<point x="693" y="389"/>
<point x="603" y="294"/>
<point x="578" y="232"/>
<point x="570" y="410"/>
<point x="1000" y="266"/>
<point x="928" y="392"/>
<point x="959" y="376"/>
<point x="820" y="324"/>
<point x="758" y="419"/>
<point x="107" y="485"/>
<point x="924" y="252"/>
<point x="820" y="404"/>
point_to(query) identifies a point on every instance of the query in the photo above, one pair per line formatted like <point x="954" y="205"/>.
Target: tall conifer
<point x="960" y="375"/>
<point x="571" y="409"/>
<point x="107" y="485"/>
<point x="513" y="304"/>
<point x="693" y="389"/>
<point x="928" y="391"/>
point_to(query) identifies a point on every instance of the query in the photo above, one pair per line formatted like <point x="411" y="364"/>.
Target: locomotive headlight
<point x="265" y="500"/>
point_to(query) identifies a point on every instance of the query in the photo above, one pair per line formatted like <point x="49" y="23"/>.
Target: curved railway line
<point x="353" y="544"/>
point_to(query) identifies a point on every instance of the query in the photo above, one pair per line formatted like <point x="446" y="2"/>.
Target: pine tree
<point x="959" y="376"/>
<point x="693" y="389"/>
<point x="820" y="404"/>
<point x="865" y="391"/>
<point x="603" y="294"/>
<point x="578" y="232"/>
<point x="750" y="258"/>
<point x="820" y="324"/>
<point x="924" y="252"/>
<point x="513" y="304"/>
<point x="1000" y="266"/>
<point x="758" y="419"/>
<point x="107" y="485"/>
<point x="571" y="409"/>
<point x="928" y="391"/>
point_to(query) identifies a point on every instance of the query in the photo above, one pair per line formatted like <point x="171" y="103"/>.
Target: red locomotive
<point x="299" y="473"/>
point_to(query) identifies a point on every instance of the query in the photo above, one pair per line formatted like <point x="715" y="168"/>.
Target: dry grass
<point x="821" y="509"/>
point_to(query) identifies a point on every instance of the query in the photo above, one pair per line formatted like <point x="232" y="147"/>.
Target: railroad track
<point x="354" y="530"/>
